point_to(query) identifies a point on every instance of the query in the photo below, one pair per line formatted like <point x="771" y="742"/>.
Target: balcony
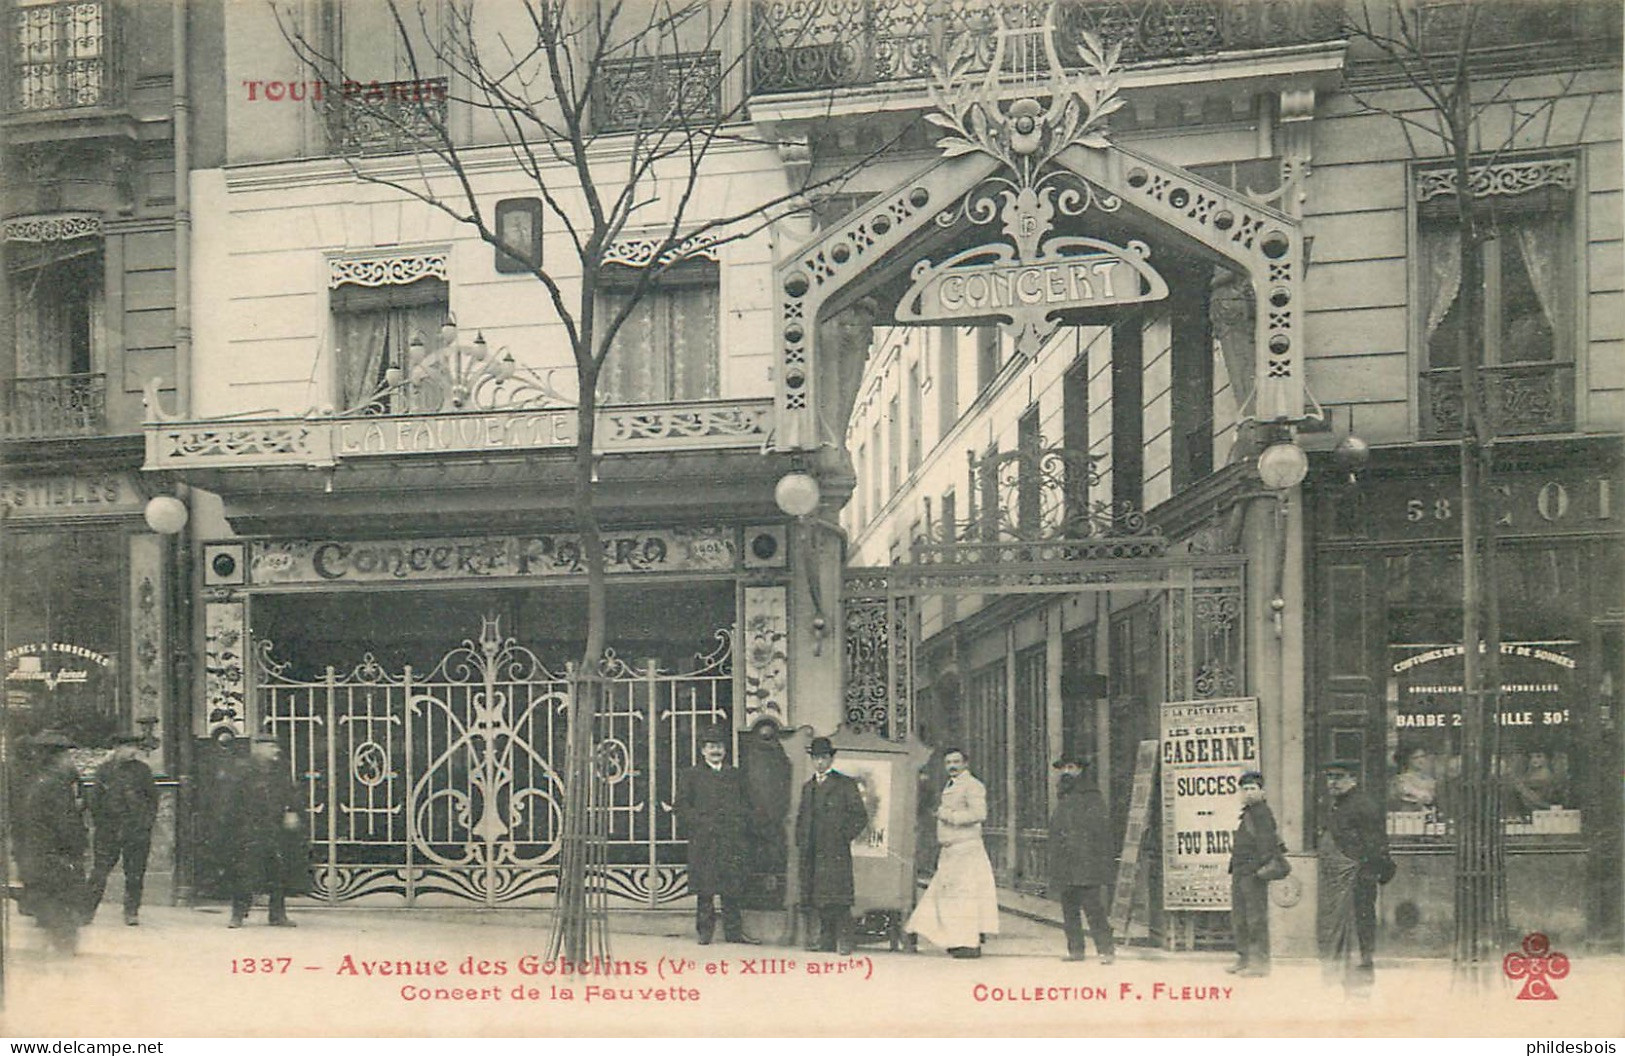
<point x="48" y="408"/>
<point x="60" y="57"/>
<point x="385" y="117"/>
<point x="658" y="90"/>
<point x="322" y="442"/>
<point x="806" y="46"/>
<point x="1522" y="399"/>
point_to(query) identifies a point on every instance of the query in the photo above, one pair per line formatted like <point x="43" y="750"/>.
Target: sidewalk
<point x="456" y="972"/>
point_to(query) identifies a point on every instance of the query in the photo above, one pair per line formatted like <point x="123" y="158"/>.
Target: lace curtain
<point x="58" y="317"/>
<point x="370" y="342"/>
<point x="666" y="350"/>
<point x="1531" y="288"/>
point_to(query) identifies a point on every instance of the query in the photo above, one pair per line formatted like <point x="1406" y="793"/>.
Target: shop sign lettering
<point x="457" y="432"/>
<point x="493" y="557"/>
<point x="30" y="661"/>
<point x="1429" y="689"/>
<point x="1523" y="504"/>
<point x="1206" y="747"/>
<point x="54" y="494"/>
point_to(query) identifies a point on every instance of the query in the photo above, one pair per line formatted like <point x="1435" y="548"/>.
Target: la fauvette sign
<point x="993" y="282"/>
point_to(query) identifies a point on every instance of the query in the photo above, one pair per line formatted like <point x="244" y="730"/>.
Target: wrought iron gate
<point x="449" y="785"/>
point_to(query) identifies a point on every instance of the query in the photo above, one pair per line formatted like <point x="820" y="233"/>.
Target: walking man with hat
<point x="1353" y="855"/>
<point x="53" y="842"/>
<point x="1081" y="859"/>
<point x="123" y="804"/>
<point x="961" y="904"/>
<point x="263" y="823"/>
<point x="831" y="816"/>
<point x="713" y="805"/>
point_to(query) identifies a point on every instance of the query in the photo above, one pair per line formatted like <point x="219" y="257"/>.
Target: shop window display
<point x="1538" y="791"/>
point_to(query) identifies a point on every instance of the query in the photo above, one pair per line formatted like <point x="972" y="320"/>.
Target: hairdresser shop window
<point x="1538" y="790"/>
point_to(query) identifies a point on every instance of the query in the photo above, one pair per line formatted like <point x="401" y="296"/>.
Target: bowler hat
<point x="1341" y="766"/>
<point x="53" y="739"/>
<point x="821" y="746"/>
<point x="1070" y="759"/>
<point x="716" y="733"/>
<point x="1251" y="777"/>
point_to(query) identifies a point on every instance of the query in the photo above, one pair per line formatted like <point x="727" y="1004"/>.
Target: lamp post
<point x="169" y="516"/>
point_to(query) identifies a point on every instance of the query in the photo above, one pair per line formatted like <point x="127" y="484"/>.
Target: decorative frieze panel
<point x="766" y="642"/>
<point x="1506" y="179"/>
<point x="642" y="252"/>
<point x="225" y="678"/>
<point x="1522" y="399"/>
<point x="53" y="227"/>
<point x="256" y="444"/>
<point x="660" y="428"/>
<point x="398" y="270"/>
<point x="148" y="673"/>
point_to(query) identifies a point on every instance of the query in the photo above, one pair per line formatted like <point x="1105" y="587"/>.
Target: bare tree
<point x="1418" y="50"/>
<point x="545" y="92"/>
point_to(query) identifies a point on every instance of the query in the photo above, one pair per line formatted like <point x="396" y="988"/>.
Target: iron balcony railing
<point x="61" y="56"/>
<point x="655" y="90"/>
<point x="804" y="45"/>
<point x="1521" y="399"/>
<point x="64" y="405"/>
<point x="384" y="117"/>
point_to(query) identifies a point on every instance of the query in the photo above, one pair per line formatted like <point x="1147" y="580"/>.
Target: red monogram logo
<point x="1537" y="965"/>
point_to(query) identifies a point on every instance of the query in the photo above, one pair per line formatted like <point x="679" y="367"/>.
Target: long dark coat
<point x="1080" y="841"/>
<point x="713" y="807"/>
<point x="124" y="797"/>
<point x="263" y="854"/>
<point x="831" y="816"/>
<point x="52" y="842"/>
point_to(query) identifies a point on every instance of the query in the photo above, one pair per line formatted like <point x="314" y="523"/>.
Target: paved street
<point x="183" y="973"/>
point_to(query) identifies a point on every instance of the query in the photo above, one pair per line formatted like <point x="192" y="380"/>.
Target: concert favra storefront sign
<point x="486" y="557"/>
<point x="1037" y="277"/>
<point x="1206" y="747"/>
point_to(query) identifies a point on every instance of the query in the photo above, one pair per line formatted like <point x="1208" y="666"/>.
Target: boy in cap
<point x="831" y="816"/>
<point x="1255" y="842"/>
<point x="123" y="804"/>
<point x="1081" y="859"/>
<point x="713" y="806"/>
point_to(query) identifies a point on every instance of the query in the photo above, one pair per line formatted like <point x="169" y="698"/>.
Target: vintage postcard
<point x="921" y="517"/>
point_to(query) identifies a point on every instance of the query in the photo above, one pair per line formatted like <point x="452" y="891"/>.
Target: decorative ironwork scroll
<point x="655" y="91"/>
<point x="399" y="269"/>
<point x="60" y="57"/>
<point x="53" y="227"/>
<point x="878" y="669"/>
<point x="1506" y="179"/>
<point x="447" y="786"/>
<point x="385" y="117"/>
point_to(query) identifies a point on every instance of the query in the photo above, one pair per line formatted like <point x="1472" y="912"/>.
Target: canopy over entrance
<point x="1027" y="150"/>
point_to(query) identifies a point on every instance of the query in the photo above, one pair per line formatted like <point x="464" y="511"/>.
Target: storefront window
<point x="1539" y="793"/>
<point x="62" y="632"/>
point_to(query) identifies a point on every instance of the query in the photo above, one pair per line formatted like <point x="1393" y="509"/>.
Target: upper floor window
<point x="381" y="306"/>
<point x="669" y="347"/>
<point x="1528" y="262"/>
<point x="58" y="385"/>
<point x="59" y="54"/>
<point x="394" y="89"/>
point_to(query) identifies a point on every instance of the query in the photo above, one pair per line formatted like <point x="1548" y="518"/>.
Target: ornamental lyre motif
<point x="1030" y="281"/>
<point x="1537" y="964"/>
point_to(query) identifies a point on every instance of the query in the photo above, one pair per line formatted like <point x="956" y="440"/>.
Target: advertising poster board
<point x="1206" y="746"/>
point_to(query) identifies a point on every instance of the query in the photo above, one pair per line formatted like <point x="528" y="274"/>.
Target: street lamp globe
<point x="165" y="514"/>
<point x="1282" y="466"/>
<point x="797" y="494"/>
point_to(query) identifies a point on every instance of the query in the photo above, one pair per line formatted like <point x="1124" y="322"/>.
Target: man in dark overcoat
<point x="1081" y="861"/>
<point x="713" y="806"/>
<point x="1353" y="846"/>
<point x="1255" y="842"/>
<point x="53" y="841"/>
<point x="124" y="805"/>
<point x="831" y="816"/>
<point x="268" y="850"/>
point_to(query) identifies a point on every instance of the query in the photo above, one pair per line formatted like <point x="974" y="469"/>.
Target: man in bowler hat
<point x="52" y="843"/>
<point x="713" y="805"/>
<point x="1081" y="859"/>
<point x="123" y="804"/>
<point x="263" y="823"/>
<point x="831" y="816"/>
